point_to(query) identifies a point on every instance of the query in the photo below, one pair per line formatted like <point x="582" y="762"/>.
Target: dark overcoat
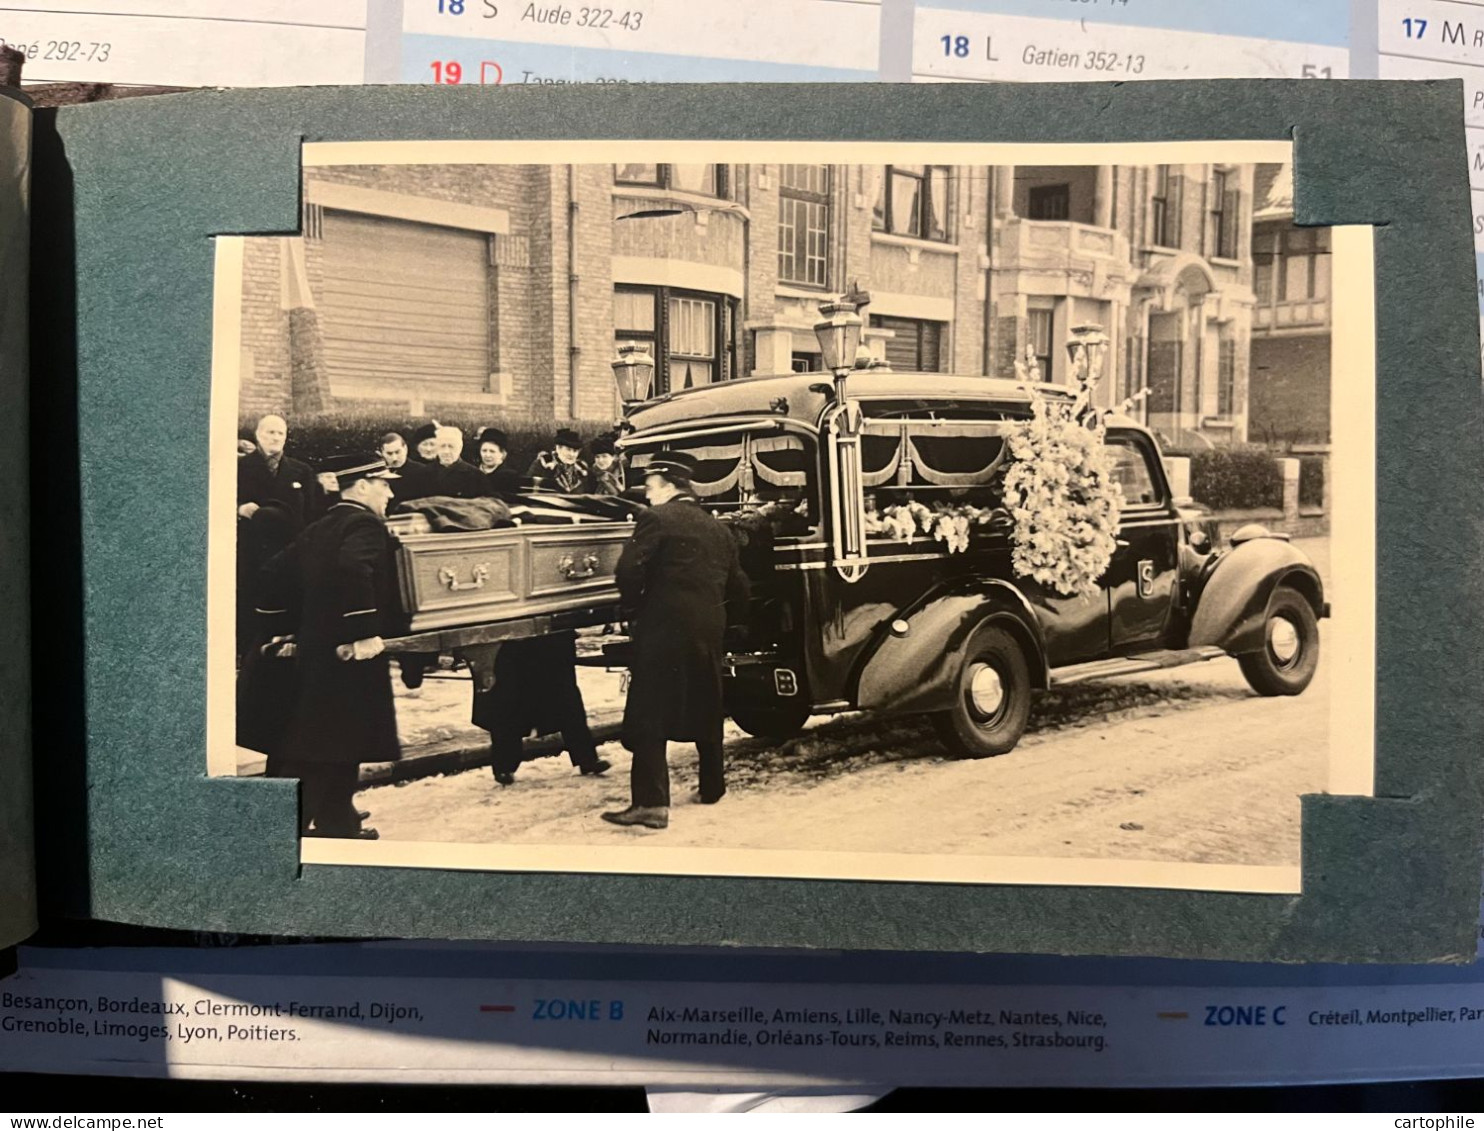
<point x="272" y="527"/>
<point x="336" y="584"/>
<point x="458" y="479"/>
<point x="535" y="689"/>
<point x="503" y="481"/>
<point x="414" y="481"/>
<point x="293" y="484"/>
<point x="266" y="686"/>
<point x="676" y="577"/>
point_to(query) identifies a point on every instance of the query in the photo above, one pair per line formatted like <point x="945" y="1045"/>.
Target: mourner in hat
<point x="327" y="603"/>
<point x="493" y="448"/>
<point x="676" y="577"/>
<point x="413" y="477"/>
<point x="535" y="692"/>
<point x="493" y="451"/>
<point x="608" y="475"/>
<point x="265" y="474"/>
<point x="452" y="475"/>
<point x="424" y="442"/>
<point x="560" y="469"/>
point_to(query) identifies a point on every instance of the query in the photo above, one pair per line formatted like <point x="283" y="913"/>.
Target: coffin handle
<point x="578" y="569"/>
<point x="479" y="575"/>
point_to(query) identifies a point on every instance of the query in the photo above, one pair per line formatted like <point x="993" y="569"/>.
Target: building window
<point x="1264" y="261"/>
<point x="916" y="346"/>
<point x="1305" y="264"/>
<point x="1226" y="378"/>
<point x="692" y="341"/>
<point x="1223" y="236"/>
<point x="690" y="335"/>
<point x="1292" y="265"/>
<point x="1042" y="334"/>
<point x="1162" y="209"/>
<point x="804" y="224"/>
<point x="634" y="318"/>
<point x="806" y="362"/>
<point x="1049" y="202"/>
<point x="913" y="200"/>
<point x="707" y="180"/>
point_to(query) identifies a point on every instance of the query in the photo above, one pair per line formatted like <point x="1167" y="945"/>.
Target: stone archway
<point x="1176" y="288"/>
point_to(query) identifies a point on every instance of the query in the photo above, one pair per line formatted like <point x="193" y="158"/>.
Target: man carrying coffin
<point x="675" y="579"/>
<point x="332" y="590"/>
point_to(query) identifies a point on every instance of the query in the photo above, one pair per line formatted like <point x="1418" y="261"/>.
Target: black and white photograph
<point x="960" y="513"/>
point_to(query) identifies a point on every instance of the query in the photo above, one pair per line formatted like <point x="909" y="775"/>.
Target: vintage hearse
<point x="847" y="615"/>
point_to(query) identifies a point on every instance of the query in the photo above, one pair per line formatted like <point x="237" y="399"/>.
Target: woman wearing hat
<point x="676" y="578"/>
<point x="608" y="475"/>
<point x="560" y="469"/>
<point x="424" y="443"/>
<point x="492" y="450"/>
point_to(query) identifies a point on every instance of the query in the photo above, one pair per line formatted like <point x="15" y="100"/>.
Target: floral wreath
<point x="1061" y="504"/>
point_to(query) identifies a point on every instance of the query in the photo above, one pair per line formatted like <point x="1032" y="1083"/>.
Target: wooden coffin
<point x="465" y="578"/>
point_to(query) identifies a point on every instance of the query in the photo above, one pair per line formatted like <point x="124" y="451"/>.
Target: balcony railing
<point x="1032" y="240"/>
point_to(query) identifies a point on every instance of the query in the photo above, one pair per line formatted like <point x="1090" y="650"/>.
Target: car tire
<point x="1290" y="653"/>
<point x="991" y="698"/>
<point x="774" y="719"/>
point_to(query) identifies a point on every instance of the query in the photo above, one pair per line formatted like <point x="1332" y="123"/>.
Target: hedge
<point x="313" y="438"/>
<point x="1236" y="479"/>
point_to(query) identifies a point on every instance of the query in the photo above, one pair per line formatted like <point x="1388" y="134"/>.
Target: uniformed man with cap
<point x="333" y="591"/>
<point x="676" y="578"/>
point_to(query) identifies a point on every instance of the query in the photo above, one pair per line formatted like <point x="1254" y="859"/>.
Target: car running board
<point x="1130" y="665"/>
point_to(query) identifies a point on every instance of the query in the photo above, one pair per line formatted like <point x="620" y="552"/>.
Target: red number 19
<point x="451" y="73"/>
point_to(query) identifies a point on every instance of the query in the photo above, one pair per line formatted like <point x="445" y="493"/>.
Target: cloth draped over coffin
<point x="738" y="465"/>
<point x="445" y="512"/>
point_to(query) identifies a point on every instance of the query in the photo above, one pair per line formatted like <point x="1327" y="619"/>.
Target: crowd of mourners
<point x="318" y="593"/>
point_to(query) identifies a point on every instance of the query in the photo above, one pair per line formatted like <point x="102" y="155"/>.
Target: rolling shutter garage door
<point x="915" y="347"/>
<point x="405" y="303"/>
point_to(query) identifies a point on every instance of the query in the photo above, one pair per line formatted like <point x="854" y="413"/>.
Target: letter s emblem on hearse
<point x="1146" y="578"/>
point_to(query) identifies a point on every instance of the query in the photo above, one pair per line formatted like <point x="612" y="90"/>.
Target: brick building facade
<point x="1292" y="321"/>
<point x="487" y="292"/>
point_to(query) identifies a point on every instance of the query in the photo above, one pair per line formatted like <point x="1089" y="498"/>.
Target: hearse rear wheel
<point x="774" y="719"/>
<point x="1290" y="651"/>
<point x="992" y="698"/>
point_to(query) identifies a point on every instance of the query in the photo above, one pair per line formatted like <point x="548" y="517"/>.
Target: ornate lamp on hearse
<point x="633" y="372"/>
<point x="1087" y="353"/>
<point x="839" y="336"/>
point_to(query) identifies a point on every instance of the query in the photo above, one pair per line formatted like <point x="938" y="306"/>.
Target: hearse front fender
<point x="1232" y="607"/>
<point x="915" y="661"/>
